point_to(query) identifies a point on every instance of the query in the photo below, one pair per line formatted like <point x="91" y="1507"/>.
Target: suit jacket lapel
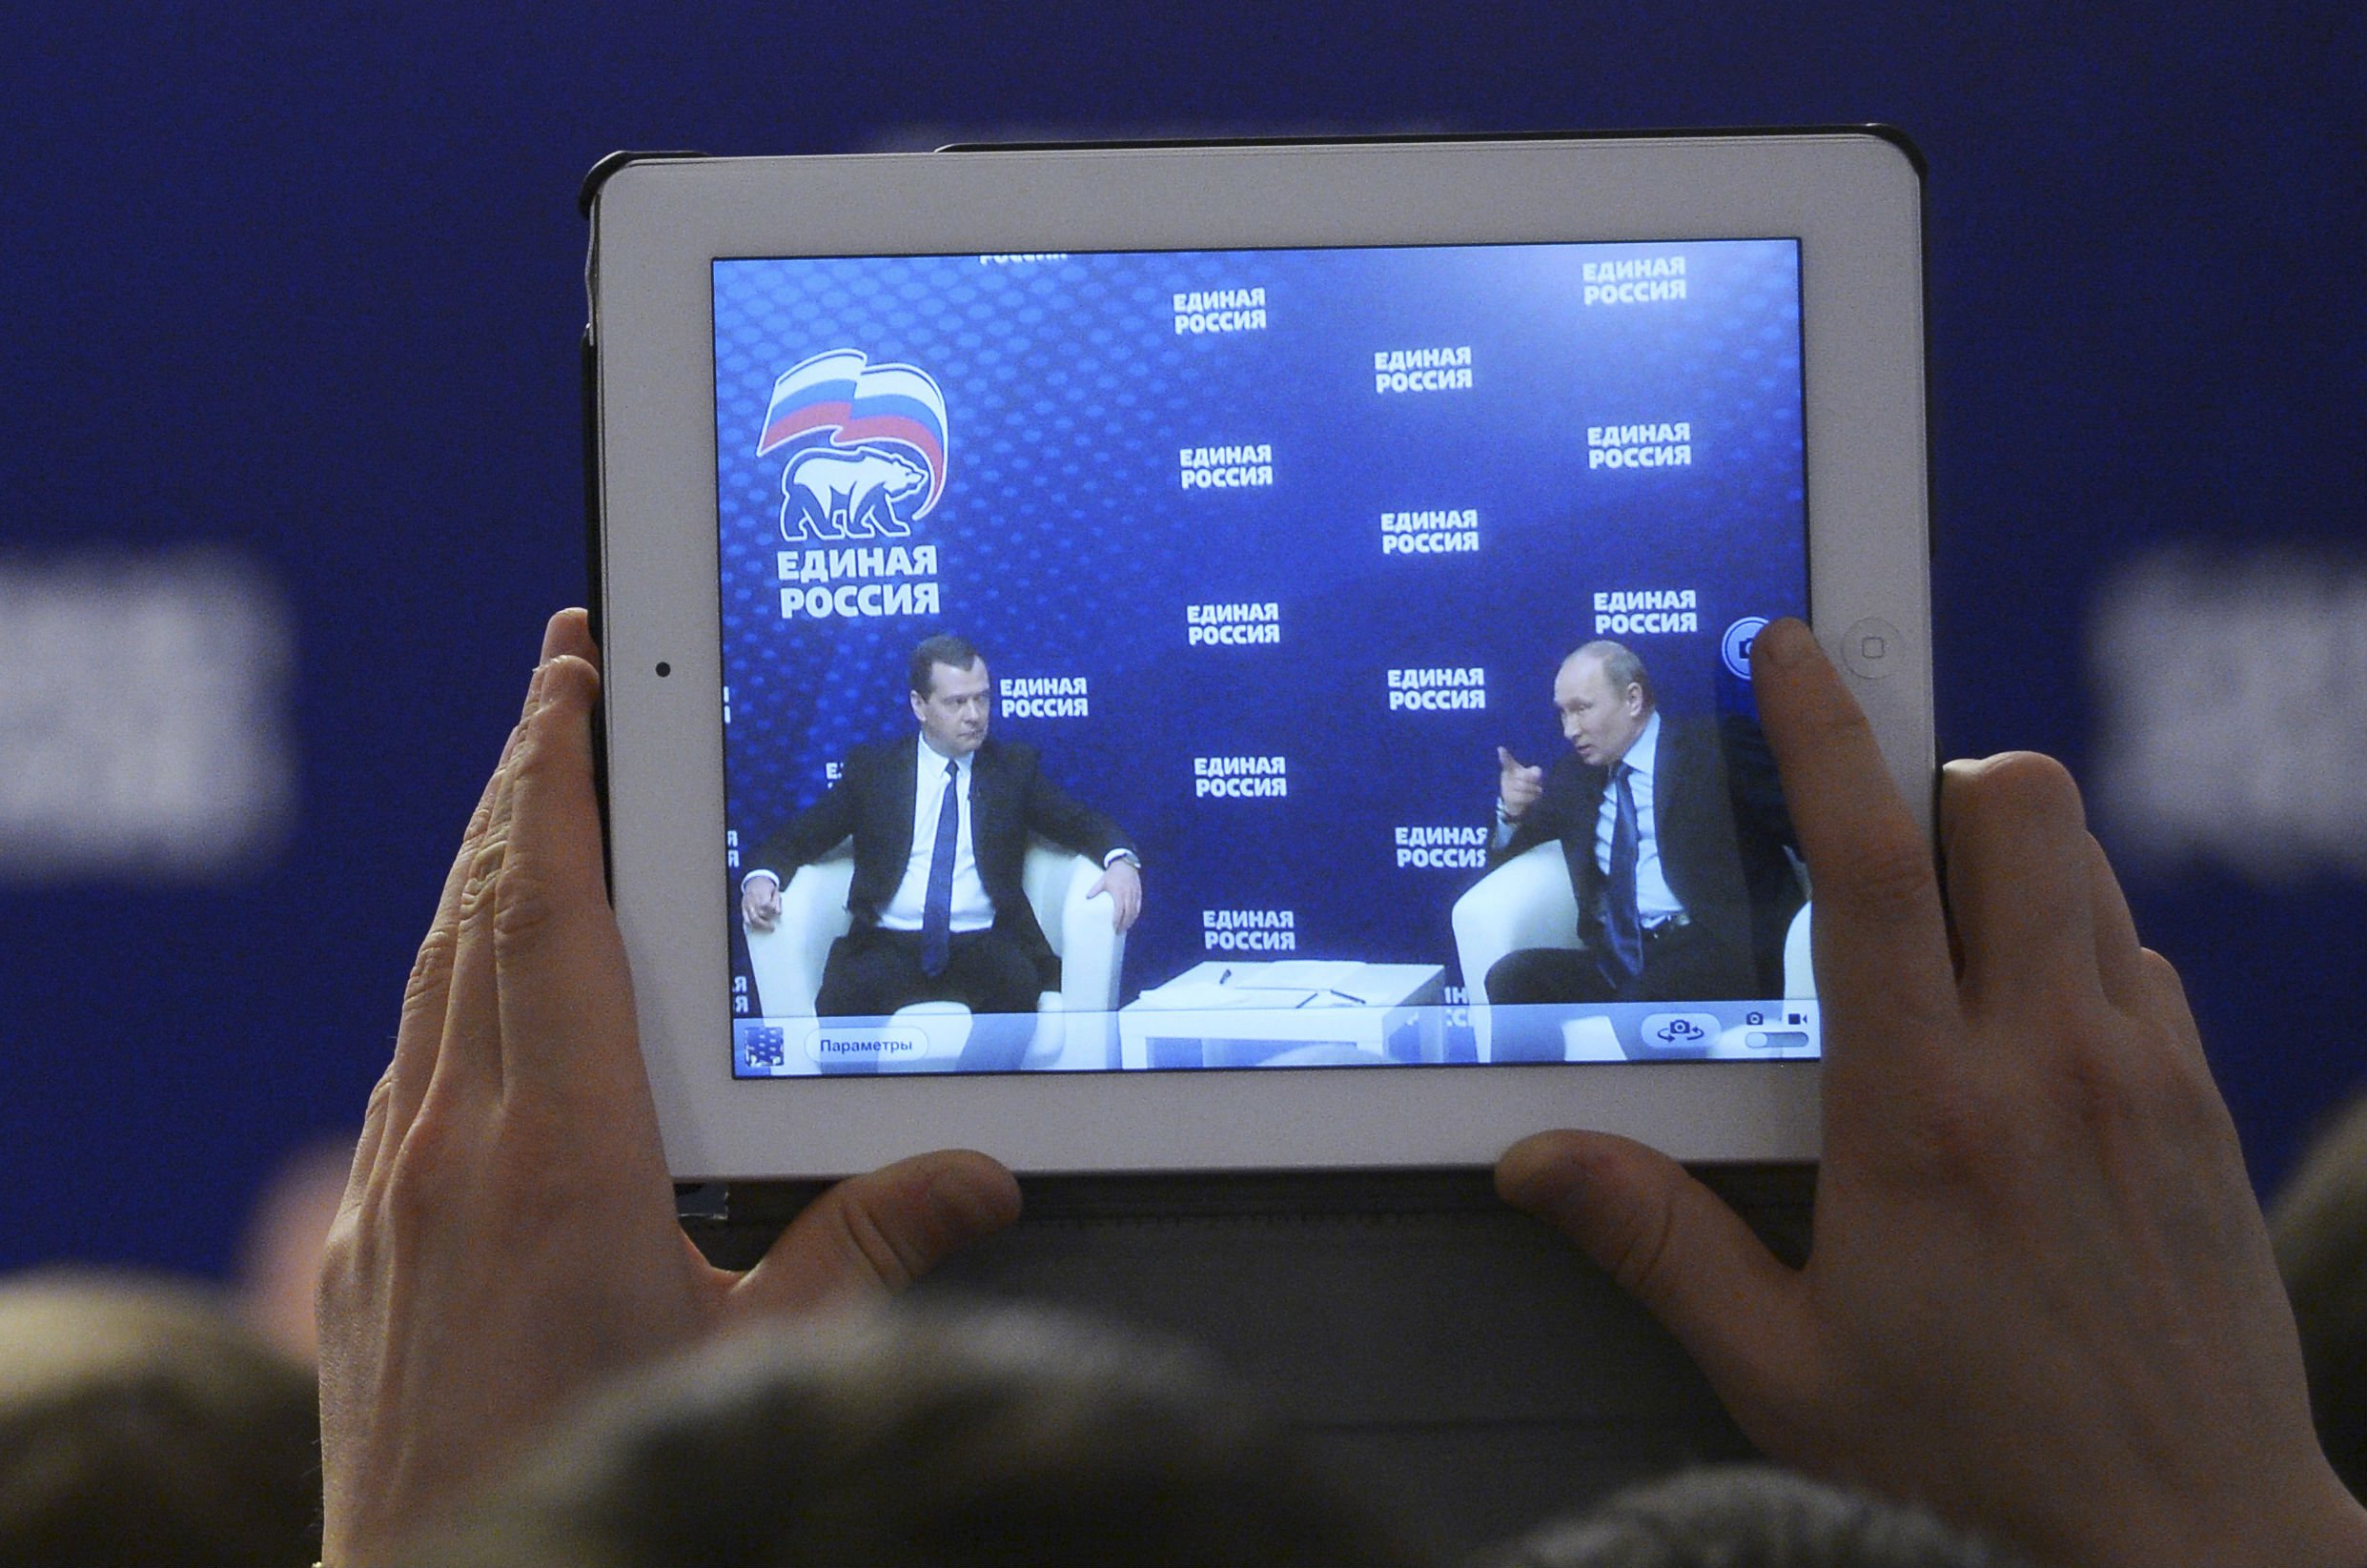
<point x="990" y="814"/>
<point x="1688" y="756"/>
<point x="1579" y="844"/>
<point x="1596" y="787"/>
<point x="907" y="774"/>
<point x="1669" y="764"/>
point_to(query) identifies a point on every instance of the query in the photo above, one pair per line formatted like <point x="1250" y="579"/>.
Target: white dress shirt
<point x="1654" y="902"/>
<point x="973" y="909"/>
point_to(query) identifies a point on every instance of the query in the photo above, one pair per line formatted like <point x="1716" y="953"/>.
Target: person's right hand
<point x="2040" y="1298"/>
<point x="1517" y="786"/>
<point x="760" y="902"/>
<point x="507" y="1240"/>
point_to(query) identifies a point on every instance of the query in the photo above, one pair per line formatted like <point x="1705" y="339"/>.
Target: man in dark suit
<point x="940" y="825"/>
<point x="1675" y="833"/>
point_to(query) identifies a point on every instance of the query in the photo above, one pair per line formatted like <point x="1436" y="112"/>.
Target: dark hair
<point x="2318" y="1225"/>
<point x="904" y="1439"/>
<point x="141" y="1425"/>
<point x="944" y="649"/>
<point x="1622" y="665"/>
<point x="1750" y="1517"/>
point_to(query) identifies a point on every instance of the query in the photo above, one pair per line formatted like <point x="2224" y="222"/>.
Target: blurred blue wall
<point x="300" y="286"/>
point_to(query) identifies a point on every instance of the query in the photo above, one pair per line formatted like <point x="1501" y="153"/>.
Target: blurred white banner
<point x="2234" y="711"/>
<point x="143" y="717"/>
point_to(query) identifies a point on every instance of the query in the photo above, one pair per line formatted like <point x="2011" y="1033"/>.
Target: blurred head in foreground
<point x="1750" y="1517"/>
<point x="908" y="1440"/>
<point x="279" y="1253"/>
<point x="141" y="1424"/>
<point x="2318" y="1225"/>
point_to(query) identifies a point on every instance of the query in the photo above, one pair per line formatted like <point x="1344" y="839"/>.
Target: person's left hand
<point x="508" y="1238"/>
<point x="1124" y="885"/>
<point x="2040" y="1300"/>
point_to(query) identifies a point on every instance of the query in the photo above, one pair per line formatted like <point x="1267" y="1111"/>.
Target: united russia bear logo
<point x="868" y="447"/>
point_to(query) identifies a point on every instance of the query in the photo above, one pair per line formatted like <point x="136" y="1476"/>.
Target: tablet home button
<point x="1872" y="648"/>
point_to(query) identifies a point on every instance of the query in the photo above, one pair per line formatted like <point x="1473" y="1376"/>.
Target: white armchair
<point x="1527" y="902"/>
<point x="1524" y="903"/>
<point x="787" y="960"/>
<point x="1799" y="973"/>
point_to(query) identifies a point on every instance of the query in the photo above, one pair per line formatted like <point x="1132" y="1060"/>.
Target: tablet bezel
<point x="1851" y="198"/>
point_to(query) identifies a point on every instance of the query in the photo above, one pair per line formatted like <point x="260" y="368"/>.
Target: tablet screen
<point x="1365" y="630"/>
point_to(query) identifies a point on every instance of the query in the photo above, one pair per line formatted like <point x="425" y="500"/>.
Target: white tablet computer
<point x="1219" y="657"/>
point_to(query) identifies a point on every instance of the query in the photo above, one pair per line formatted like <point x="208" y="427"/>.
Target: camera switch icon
<point x="1677" y="1032"/>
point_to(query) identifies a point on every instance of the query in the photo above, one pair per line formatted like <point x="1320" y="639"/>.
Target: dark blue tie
<point x="937" y="913"/>
<point x="1623" y="927"/>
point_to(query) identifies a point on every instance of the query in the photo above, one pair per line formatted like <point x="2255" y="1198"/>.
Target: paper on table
<point x="1178" y="995"/>
<point x="1311" y="974"/>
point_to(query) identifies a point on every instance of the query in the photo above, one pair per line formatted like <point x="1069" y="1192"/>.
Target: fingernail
<point x="1781" y="643"/>
<point x="1547" y="1198"/>
<point x="1526" y="1174"/>
<point x="1557" y="1196"/>
<point x="984" y="1194"/>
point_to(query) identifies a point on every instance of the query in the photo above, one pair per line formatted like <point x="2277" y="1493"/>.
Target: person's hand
<point x="508" y="1238"/>
<point x="1124" y="884"/>
<point x="2040" y="1298"/>
<point x="760" y="901"/>
<point x="1517" y="786"/>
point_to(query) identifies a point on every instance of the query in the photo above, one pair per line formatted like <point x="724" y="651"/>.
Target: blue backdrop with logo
<point x="293" y="299"/>
<point x="1632" y="443"/>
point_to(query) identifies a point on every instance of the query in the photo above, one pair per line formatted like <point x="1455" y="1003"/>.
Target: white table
<point x="1294" y="1013"/>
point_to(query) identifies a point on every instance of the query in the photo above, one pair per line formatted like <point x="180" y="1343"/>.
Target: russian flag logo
<point x="840" y="394"/>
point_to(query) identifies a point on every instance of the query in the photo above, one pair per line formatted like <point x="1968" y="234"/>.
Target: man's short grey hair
<point x="1621" y="665"/>
<point x="944" y="649"/>
<point x="1750" y="1517"/>
<point x="920" y="1438"/>
<point x="2318" y="1225"/>
<point x="141" y="1423"/>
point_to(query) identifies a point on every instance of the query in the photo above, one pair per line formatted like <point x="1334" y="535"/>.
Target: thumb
<point x="872" y="1236"/>
<point x="1669" y="1242"/>
<point x="1506" y="761"/>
